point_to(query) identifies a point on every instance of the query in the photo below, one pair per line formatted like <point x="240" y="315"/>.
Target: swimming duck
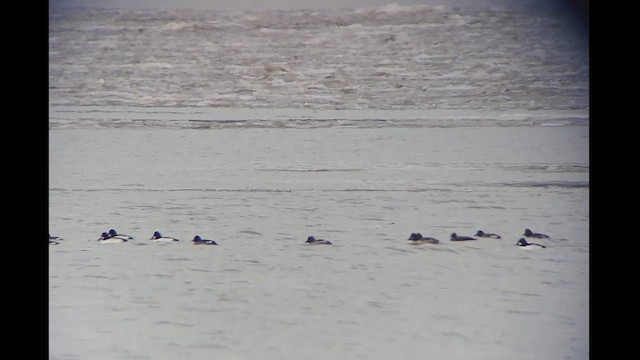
<point x="455" y="237"/>
<point x="483" y="234"/>
<point x="527" y="245"/>
<point x="313" y="241"/>
<point x="53" y="240"/>
<point x="417" y="238"/>
<point x="105" y="238"/>
<point x="114" y="234"/>
<point x="197" y="240"/>
<point x="158" y="237"/>
<point x="529" y="233"/>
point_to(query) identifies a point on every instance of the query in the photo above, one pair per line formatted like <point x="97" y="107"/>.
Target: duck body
<point x="313" y="241"/>
<point x="483" y="234"/>
<point x="417" y="238"/>
<point x="527" y="245"/>
<point x="455" y="237"/>
<point x="54" y="240"/>
<point x="105" y="238"/>
<point x="114" y="234"/>
<point x="531" y="234"/>
<point x="157" y="237"/>
<point x="197" y="240"/>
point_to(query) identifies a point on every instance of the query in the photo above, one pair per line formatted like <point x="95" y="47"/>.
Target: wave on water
<point x="69" y="117"/>
<point x="432" y="188"/>
<point x="391" y="57"/>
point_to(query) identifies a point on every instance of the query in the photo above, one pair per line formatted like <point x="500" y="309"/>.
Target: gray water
<point x="259" y="171"/>
<point x="392" y="57"/>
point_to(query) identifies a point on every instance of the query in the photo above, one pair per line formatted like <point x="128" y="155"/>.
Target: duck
<point x="313" y="241"/>
<point x="53" y="240"/>
<point x="529" y="233"/>
<point x="417" y="238"/>
<point x="105" y="238"/>
<point x="197" y="240"/>
<point x="483" y="234"/>
<point x="527" y="245"/>
<point x="158" y="237"/>
<point x="455" y="237"/>
<point x="114" y="234"/>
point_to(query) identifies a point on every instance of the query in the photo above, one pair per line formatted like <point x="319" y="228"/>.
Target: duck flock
<point x="417" y="238"/>
<point x="112" y="236"/>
